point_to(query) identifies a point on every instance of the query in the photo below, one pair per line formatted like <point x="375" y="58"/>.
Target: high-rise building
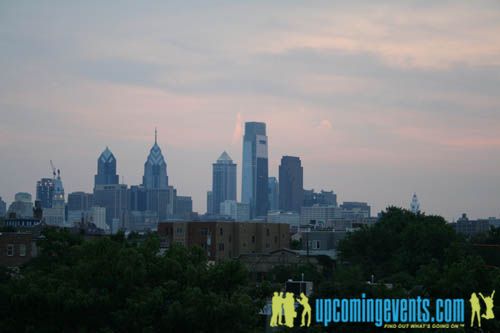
<point x="106" y="169"/>
<point x="22" y="205"/>
<point x="183" y="207"/>
<point x="354" y="209"/>
<point x="155" y="169"/>
<point x="322" y="198"/>
<point x="3" y="208"/>
<point x="255" y="169"/>
<point x="210" y="203"/>
<point x="238" y="211"/>
<point x="113" y="197"/>
<point x="80" y="201"/>
<point x="223" y="181"/>
<point x="273" y="193"/>
<point x="291" y="183"/>
<point x="45" y="192"/>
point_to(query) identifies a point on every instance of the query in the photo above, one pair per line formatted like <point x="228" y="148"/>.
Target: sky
<point x="380" y="99"/>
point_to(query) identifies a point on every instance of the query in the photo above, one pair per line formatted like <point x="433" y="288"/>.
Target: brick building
<point x="226" y="240"/>
<point x="17" y="248"/>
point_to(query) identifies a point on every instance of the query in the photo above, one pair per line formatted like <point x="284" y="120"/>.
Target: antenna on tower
<point x="156" y="134"/>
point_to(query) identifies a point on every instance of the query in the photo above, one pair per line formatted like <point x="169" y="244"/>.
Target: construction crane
<point x="53" y="169"/>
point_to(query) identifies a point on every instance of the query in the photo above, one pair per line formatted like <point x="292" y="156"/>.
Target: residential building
<point x="354" y="209"/>
<point x="226" y="240"/>
<point x="22" y="205"/>
<point x="17" y="248"/>
<point x="322" y="198"/>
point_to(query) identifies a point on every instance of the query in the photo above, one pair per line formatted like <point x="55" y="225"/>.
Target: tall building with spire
<point x="223" y="181"/>
<point x="155" y="169"/>
<point x="106" y="169"/>
<point x="255" y="169"/>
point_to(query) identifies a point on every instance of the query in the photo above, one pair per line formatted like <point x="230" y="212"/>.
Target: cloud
<point x="238" y="129"/>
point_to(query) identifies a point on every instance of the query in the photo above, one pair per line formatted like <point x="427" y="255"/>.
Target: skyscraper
<point x="155" y="169"/>
<point x="255" y="169"/>
<point x="3" y="208"/>
<point x="291" y="183"/>
<point x="45" y="192"/>
<point x="106" y="169"/>
<point x="223" y="181"/>
<point x="210" y="203"/>
<point x="273" y="192"/>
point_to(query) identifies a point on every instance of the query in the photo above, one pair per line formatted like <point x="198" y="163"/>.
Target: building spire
<point x="156" y="134"/>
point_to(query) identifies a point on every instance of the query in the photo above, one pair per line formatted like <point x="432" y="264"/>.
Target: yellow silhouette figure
<point x="289" y="308"/>
<point x="280" y="314"/>
<point x="488" y="300"/>
<point x="476" y="309"/>
<point x="304" y="301"/>
<point x="277" y="308"/>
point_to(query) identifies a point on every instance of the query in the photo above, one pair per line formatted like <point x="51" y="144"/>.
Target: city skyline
<point x="366" y="96"/>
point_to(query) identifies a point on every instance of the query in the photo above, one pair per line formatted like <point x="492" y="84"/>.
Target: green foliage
<point x="112" y="285"/>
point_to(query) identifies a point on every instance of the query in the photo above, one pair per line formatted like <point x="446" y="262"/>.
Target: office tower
<point x="56" y="215"/>
<point x="273" y="193"/>
<point x="106" y="169"/>
<point x="183" y="207"/>
<point x="22" y="205"/>
<point x="113" y="197"/>
<point x="3" y="208"/>
<point x="80" y="201"/>
<point x="291" y="184"/>
<point x="210" y="203"/>
<point x="415" y="204"/>
<point x="45" y="192"/>
<point x="223" y="181"/>
<point x="155" y="169"/>
<point x="237" y="211"/>
<point x="255" y="169"/>
<point x="322" y="198"/>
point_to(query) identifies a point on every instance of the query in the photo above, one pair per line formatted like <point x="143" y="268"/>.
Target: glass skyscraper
<point x="45" y="191"/>
<point x="223" y="181"/>
<point x="155" y="169"/>
<point x="255" y="169"/>
<point x="106" y="169"/>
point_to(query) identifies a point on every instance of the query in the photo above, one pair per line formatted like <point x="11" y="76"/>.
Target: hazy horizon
<point x="378" y="100"/>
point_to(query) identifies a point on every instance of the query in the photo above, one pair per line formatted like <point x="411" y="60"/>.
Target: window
<point x="253" y="239"/>
<point x="179" y="231"/>
<point x="275" y="239"/>
<point x="221" y="231"/>
<point x="267" y="245"/>
<point x="221" y="246"/>
<point x="10" y="250"/>
<point x="22" y="250"/>
<point x="316" y="245"/>
<point x="267" y="231"/>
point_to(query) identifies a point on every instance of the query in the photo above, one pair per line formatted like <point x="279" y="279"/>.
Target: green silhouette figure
<point x="488" y="300"/>
<point x="289" y="308"/>
<point x="277" y="308"/>
<point x="304" y="301"/>
<point x="476" y="309"/>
